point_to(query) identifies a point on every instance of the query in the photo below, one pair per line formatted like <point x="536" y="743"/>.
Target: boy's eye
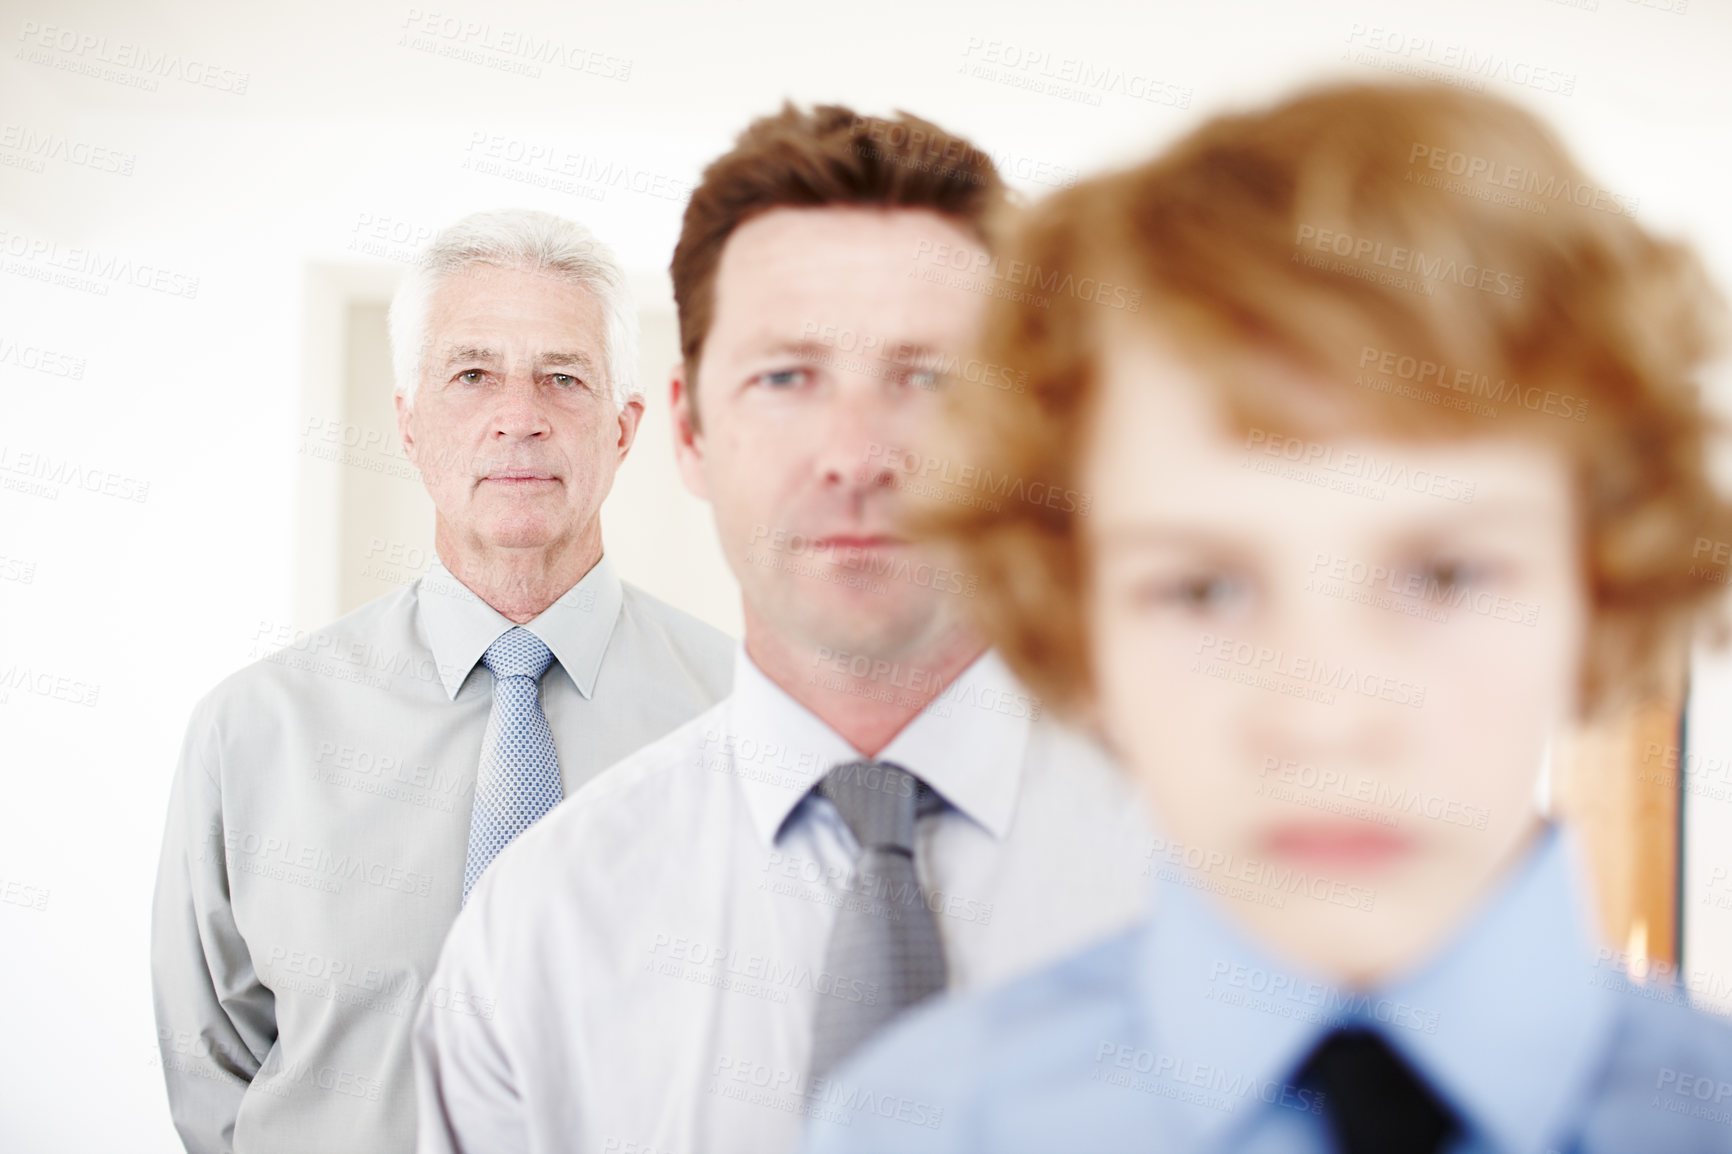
<point x="1450" y="574"/>
<point x="1205" y="593"/>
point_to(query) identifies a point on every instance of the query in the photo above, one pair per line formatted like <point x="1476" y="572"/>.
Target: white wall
<point x="268" y="196"/>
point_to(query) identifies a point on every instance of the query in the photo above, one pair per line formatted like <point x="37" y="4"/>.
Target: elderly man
<point x="678" y="957"/>
<point x="335" y="804"/>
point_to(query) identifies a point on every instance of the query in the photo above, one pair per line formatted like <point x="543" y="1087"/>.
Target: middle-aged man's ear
<point x="630" y="417"/>
<point x="688" y="441"/>
<point x="404" y="409"/>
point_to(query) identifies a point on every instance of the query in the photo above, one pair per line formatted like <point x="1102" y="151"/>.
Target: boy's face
<point x="1332" y="662"/>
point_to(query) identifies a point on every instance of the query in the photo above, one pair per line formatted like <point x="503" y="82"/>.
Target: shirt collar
<point x="967" y="744"/>
<point x="1507" y="1023"/>
<point x="1524" y="1024"/>
<point x="460" y="625"/>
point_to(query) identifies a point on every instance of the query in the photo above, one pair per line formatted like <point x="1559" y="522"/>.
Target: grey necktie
<point x="884" y="936"/>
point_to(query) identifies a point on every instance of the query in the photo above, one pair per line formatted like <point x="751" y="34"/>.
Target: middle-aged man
<point x="676" y="958"/>
<point x="336" y="801"/>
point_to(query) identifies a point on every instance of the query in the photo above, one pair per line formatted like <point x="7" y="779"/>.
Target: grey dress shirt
<point x="316" y="838"/>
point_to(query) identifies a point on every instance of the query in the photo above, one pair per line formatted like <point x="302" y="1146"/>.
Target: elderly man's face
<point x="513" y="425"/>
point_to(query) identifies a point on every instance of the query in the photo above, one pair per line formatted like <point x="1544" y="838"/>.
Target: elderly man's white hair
<point x="518" y="239"/>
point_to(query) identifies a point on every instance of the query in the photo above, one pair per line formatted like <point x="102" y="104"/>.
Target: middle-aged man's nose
<point x="857" y="448"/>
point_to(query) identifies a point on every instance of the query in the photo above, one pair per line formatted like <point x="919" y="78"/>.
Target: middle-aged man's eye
<point x="928" y="379"/>
<point x="782" y="378"/>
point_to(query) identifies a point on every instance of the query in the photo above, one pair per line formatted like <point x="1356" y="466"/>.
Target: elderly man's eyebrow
<point x="472" y="354"/>
<point x="566" y="359"/>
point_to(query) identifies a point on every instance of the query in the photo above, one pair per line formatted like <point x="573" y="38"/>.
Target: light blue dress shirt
<point x="1183" y="1035"/>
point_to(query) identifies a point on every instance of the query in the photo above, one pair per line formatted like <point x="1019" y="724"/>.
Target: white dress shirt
<point x="317" y="833"/>
<point x="638" y="973"/>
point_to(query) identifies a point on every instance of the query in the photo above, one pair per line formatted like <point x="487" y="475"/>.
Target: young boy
<point x="1390" y="481"/>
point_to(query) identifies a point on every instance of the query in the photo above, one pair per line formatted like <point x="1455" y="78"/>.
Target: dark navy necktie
<point x="1376" y="1103"/>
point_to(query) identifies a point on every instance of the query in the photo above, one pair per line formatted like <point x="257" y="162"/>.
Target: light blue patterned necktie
<point x="519" y="778"/>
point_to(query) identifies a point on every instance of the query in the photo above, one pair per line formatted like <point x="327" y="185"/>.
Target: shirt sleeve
<point x="465" y="1087"/>
<point x="215" y="1021"/>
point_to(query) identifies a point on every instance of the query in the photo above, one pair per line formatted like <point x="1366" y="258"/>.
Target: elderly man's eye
<point x="472" y="376"/>
<point x="566" y="380"/>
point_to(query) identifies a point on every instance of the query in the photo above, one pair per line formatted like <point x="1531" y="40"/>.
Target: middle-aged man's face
<point x="514" y="426"/>
<point x="1332" y="665"/>
<point x="814" y="381"/>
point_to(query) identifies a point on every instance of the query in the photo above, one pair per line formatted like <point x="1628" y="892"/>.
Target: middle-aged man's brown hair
<point x="830" y="156"/>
